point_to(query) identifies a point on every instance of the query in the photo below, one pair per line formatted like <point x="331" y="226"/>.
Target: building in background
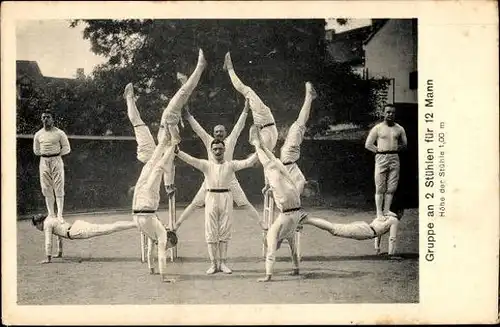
<point x="36" y="92"/>
<point x="386" y="49"/>
<point x="347" y="47"/>
<point x="29" y="77"/>
<point x="390" y="52"/>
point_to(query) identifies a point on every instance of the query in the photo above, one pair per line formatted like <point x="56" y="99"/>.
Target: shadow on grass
<point x="281" y="275"/>
<point x="371" y="257"/>
<point x="93" y="259"/>
<point x="181" y="260"/>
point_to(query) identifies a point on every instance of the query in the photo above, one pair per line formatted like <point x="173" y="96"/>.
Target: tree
<point x="275" y="57"/>
<point x="351" y="98"/>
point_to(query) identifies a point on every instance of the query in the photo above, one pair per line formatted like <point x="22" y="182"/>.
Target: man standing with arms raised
<point x="219" y="133"/>
<point x="218" y="200"/>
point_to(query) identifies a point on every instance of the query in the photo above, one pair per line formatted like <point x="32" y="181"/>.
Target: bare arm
<point x="65" y="147"/>
<point x="36" y="145"/>
<point x="246" y="163"/>
<point x="403" y="140"/>
<point x="199" y="164"/>
<point x="371" y="139"/>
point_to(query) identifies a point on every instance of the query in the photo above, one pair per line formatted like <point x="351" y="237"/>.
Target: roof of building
<point x="30" y="69"/>
<point x="377" y="25"/>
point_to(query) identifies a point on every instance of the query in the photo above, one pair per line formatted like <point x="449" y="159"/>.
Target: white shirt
<point x="218" y="175"/>
<point x="52" y="225"/>
<point x="147" y="197"/>
<point x="50" y="142"/>
<point x="229" y="142"/>
<point x="285" y="193"/>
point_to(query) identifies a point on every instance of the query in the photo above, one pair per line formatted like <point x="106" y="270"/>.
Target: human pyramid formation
<point x="284" y="183"/>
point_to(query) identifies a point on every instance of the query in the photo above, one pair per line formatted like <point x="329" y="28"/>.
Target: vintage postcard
<point x="274" y="162"/>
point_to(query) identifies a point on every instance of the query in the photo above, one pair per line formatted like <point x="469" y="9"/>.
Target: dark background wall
<point x="100" y="173"/>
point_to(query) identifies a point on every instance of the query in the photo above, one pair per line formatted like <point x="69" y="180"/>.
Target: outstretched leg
<point x="254" y="101"/>
<point x="116" y="227"/>
<point x="197" y="203"/>
<point x="132" y="112"/>
<point x="261" y="113"/>
<point x="242" y="202"/>
<point x="171" y="115"/>
<point x="237" y="83"/>
<point x="290" y="151"/>
<point x="143" y="137"/>
<point x="295" y="136"/>
<point x="319" y="223"/>
<point x="83" y="230"/>
<point x="306" y="106"/>
<point x="358" y="230"/>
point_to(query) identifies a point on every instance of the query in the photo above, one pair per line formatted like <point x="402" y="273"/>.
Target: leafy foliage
<point x="274" y="57"/>
<point x="346" y="96"/>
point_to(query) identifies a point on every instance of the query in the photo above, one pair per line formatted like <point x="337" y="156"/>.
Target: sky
<point x="60" y="50"/>
<point x="352" y="23"/>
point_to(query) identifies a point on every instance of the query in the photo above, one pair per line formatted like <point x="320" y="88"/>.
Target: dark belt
<point x="67" y="233"/>
<point x="139" y="125"/>
<point x="267" y="125"/>
<point x="51" y="155"/>
<point x="387" y="152"/>
<point x="144" y="211"/>
<point x="292" y="210"/>
<point x="373" y="229"/>
<point x="289" y="163"/>
<point x="218" y="190"/>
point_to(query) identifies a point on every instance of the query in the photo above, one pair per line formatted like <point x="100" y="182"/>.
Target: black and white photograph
<point x="311" y="128"/>
<point x="225" y="161"/>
